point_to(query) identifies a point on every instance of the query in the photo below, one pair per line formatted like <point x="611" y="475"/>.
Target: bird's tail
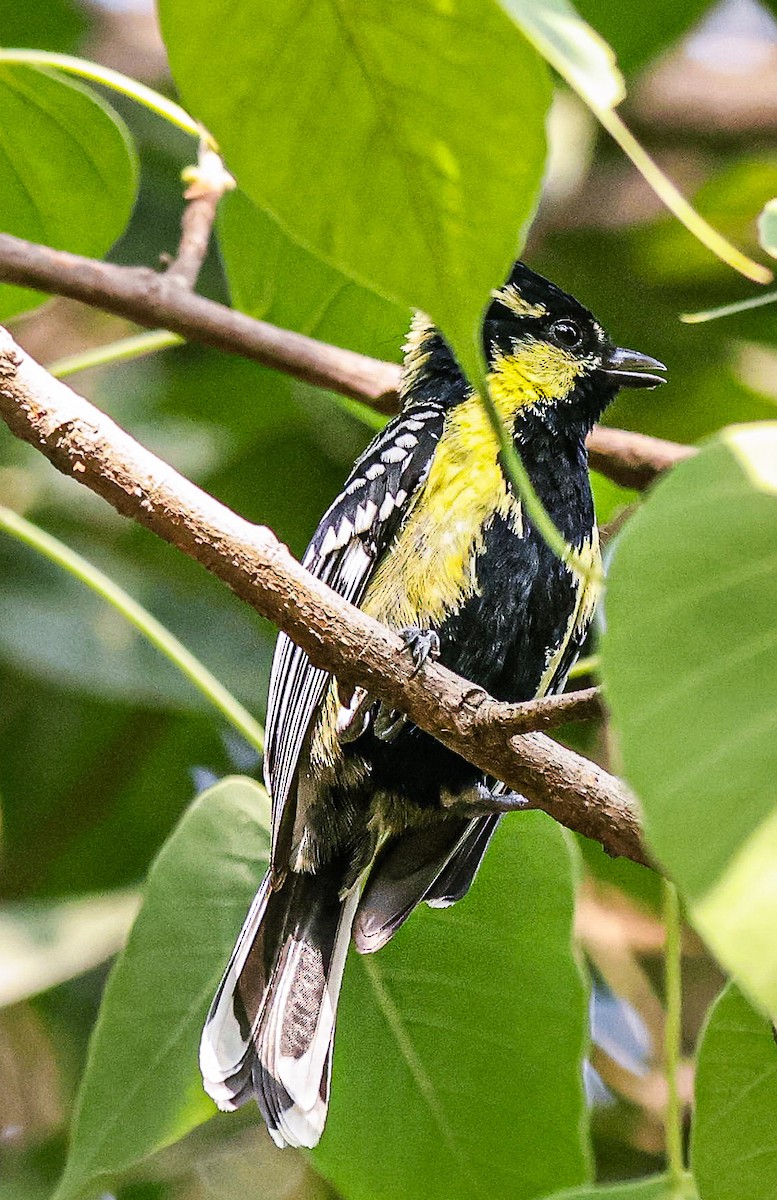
<point x="270" y="1029"/>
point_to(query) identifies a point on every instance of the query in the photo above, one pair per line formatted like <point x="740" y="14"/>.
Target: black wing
<point x="347" y="545"/>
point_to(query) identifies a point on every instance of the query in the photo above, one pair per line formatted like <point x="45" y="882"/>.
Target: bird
<point x="370" y="815"/>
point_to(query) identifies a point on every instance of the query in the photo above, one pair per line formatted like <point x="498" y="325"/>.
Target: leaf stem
<point x="114" y="80"/>
<point x="674" y="199"/>
<point x="673" y="1119"/>
<point x="153" y="630"/>
<point x="122" y="350"/>
<point x="728" y="310"/>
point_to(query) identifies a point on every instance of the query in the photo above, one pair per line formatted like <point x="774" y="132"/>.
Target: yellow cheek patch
<point x="536" y="372"/>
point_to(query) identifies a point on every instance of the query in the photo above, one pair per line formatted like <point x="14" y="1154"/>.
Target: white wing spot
<point x="407" y="441"/>
<point x="329" y="543"/>
<point x="394" y="454"/>
<point x="365" y="515"/>
<point x="386" y="508"/>
<point x="375" y="471"/>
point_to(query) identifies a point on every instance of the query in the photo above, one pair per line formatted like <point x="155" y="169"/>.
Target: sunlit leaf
<point x="572" y="47"/>
<point x="42" y="945"/>
<point x="690" y="666"/>
<point x="657" y="1187"/>
<point x="408" y="152"/>
<point x="767" y="228"/>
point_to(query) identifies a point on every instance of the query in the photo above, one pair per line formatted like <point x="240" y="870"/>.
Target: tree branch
<point x="87" y="445"/>
<point x="154" y="300"/>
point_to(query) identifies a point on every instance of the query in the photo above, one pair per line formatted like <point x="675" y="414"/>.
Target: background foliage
<point x="406" y="175"/>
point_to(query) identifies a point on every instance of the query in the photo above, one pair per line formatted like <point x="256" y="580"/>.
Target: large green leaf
<point x="690" y="665"/>
<point x="68" y="175"/>
<point x="734" y="1147"/>
<point x="402" y="143"/>
<point x="458" y="1068"/>
<point x="657" y="1187"/>
<point x="275" y="279"/>
<point x="140" y="1090"/>
<point x="443" y="1056"/>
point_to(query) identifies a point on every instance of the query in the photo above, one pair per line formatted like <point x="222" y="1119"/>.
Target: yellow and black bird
<point x="371" y="816"/>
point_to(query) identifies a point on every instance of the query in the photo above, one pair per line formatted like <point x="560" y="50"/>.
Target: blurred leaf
<point x="690" y="667"/>
<point x="658" y="1187"/>
<point x="639" y="35"/>
<point x="42" y="945"/>
<point x="365" y="136"/>
<point x="580" y="55"/>
<point x="767" y="228"/>
<point x="140" y="1089"/>
<point x="44" y="25"/>
<point x="730" y="198"/>
<point x="53" y="628"/>
<point x="734" y="1147"/>
<point x="445" y="1081"/>
<point x="68" y="175"/>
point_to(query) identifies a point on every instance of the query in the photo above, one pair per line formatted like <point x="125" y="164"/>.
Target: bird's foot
<point x="423" y="644"/>
<point x="484" y="801"/>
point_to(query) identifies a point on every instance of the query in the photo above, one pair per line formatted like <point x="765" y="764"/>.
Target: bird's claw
<point x="488" y="802"/>
<point x="423" y="644"/>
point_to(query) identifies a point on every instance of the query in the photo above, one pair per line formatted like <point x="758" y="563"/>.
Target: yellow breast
<point x="430" y="570"/>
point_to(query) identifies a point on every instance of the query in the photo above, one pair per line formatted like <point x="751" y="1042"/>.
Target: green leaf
<point x="657" y="1187"/>
<point x="690" y="667"/>
<point x="446" y="1082"/>
<point x="734" y="1145"/>
<point x="403" y="144"/>
<point x="275" y="279"/>
<point x="767" y="228"/>
<point x="68" y="176"/>
<point x="140" y="1089"/>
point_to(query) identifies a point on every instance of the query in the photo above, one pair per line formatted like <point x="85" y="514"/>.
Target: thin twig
<point x="207" y="182"/>
<point x="152" y="300"/>
<point x="87" y="445"/>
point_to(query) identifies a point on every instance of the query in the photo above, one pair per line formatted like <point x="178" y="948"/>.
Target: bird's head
<point x="545" y="349"/>
<point x="549" y="358"/>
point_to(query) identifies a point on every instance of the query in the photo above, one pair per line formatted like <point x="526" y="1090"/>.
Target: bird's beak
<point x="629" y="368"/>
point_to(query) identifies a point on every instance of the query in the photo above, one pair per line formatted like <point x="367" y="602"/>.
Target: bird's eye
<point x="567" y="333"/>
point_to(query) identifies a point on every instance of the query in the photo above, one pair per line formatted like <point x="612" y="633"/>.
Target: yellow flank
<point x="588" y="589"/>
<point x="534" y="373"/>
